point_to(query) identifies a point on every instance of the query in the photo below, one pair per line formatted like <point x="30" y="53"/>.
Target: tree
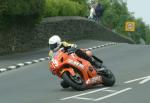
<point x="80" y="1"/>
<point x="147" y="29"/>
<point x="20" y="10"/>
<point x="64" y="8"/>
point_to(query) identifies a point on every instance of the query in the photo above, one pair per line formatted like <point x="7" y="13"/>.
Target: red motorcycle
<point x="78" y="73"/>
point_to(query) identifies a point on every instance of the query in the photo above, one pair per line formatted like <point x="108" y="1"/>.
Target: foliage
<point x="147" y="34"/>
<point x="80" y="1"/>
<point x="64" y="8"/>
<point x="20" y="11"/>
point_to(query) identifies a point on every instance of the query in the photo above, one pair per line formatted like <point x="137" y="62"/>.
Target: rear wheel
<point x="76" y="82"/>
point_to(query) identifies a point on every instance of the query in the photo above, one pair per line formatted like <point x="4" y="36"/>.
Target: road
<point x="35" y="84"/>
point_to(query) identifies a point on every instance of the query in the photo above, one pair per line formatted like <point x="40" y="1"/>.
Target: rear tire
<point x="68" y="79"/>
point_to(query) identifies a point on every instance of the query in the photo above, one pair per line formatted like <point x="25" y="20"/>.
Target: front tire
<point x="108" y="78"/>
<point x="64" y="84"/>
<point x="80" y="86"/>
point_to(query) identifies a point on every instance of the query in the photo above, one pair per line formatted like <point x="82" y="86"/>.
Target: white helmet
<point x="55" y="42"/>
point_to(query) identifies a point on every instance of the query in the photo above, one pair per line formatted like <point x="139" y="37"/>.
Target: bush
<point x="64" y="8"/>
<point x="20" y="11"/>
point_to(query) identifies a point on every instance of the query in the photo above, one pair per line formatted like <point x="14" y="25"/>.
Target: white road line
<point x="134" y="80"/>
<point x="113" y="94"/>
<point x="84" y="93"/>
<point x="110" y="43"/>
<point x="20" y="64"/>
<point x="103" y="45"/>
<point x="47" y="57"/>
<point x="3" y="69"/>
<point x="42" y="59"/>
<point x="106" y="44"/>
<point x="11" y="67"/>
<point x="109" y="90"/>
<point x="84" y="98"/>
<point x="94" y="47"/>
<point x="36" y="61"/>
<point x="145" y="80"/>
<point x="28" y="62"/>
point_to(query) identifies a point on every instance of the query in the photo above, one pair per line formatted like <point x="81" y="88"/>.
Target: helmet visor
<point x="53" y="46"/>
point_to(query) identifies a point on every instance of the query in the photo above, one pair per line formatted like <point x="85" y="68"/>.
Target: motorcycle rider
<point x="55" y="44"/>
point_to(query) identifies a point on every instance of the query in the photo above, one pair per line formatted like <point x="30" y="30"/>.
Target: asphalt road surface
<point x="35" y="84"/>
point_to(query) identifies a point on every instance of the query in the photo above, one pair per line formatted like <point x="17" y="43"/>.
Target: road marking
<point x="36" y="61"/>
<point x="84" y="94"/>
<point x="103" y="45"/>
<point x="113" y="94"/>
<point x="144" y="80"/>
<point x="12" y="67"/>
<point x="47" y="57"/>
<point x="109" y="90"/>
<point x="3" y="69"/>
<point x="42" y="59"/>
<point x="84" y="98"/>
<point x="28" y="62"/>
<point x="20" y="64"/>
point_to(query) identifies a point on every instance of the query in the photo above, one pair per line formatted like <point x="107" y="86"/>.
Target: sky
<point x="141" y="9"/>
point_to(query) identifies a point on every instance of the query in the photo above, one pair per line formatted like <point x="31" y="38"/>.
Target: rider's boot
<point x="100" y="68"/>
<point x="92" y="60"/>
<point x="103" y="71"/>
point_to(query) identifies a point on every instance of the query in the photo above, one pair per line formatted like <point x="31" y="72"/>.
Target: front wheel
<point x="64" y="84"/>
<point x="76" y="82"/>
<point x="108" y="78"/>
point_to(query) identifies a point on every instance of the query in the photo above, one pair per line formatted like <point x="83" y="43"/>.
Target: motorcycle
<point x="78" y="73"/>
